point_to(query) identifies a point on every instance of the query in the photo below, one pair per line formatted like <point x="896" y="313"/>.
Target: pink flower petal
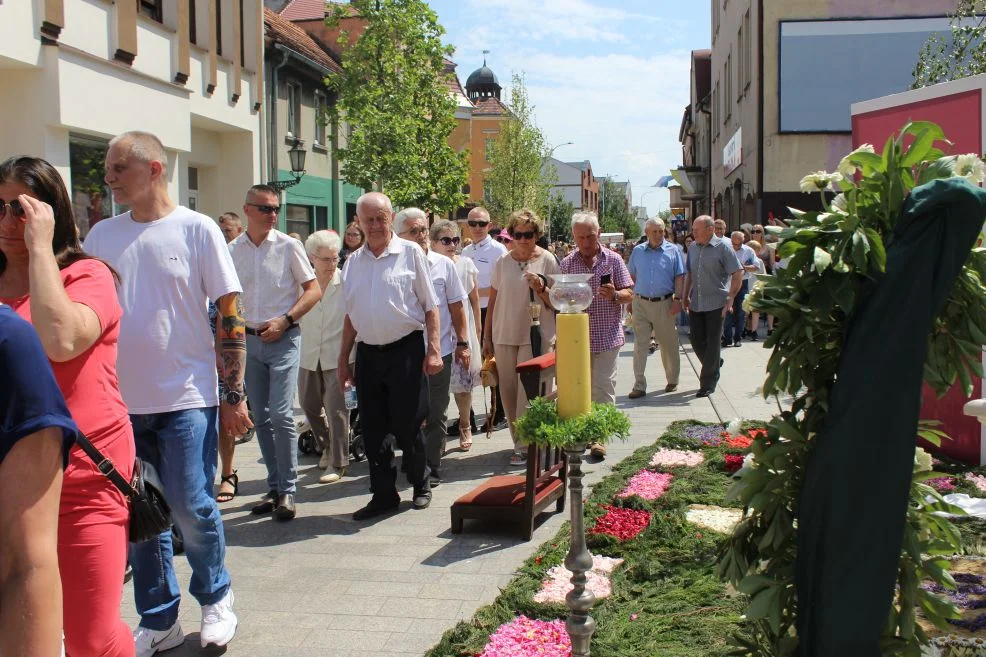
<point x="647" y="485"/>
<point x="558" y="584"/>
<point x="523" y="637"/>
<point x="673" y="457"/>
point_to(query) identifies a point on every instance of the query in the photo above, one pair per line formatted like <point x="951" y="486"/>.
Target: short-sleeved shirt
<point x="170" y="268"/>
<point x="89" y="381"/>
<point x="271" y="275"/>
<point x="386" y="296"/>
<point x="511" y="315"/>
<point x="30" y="400"/>
<point x="747" y="257"/>
<point x="605" y="315"/>
<point x="656" y="268"/>
<point x="448" y="289"/>
<point x="321" y="329"/>
<point x="485" y="255"/>
<point x="711" y="266"/>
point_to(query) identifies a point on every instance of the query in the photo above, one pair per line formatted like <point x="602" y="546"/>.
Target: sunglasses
<point x="415" y="231"/>
<point x="757" y="232"/>
<point x="15" y="207"/>
<point x="267" y="209"/>
<point x="474" y="224"/>
<point x="529" y="235"/>
<point x="449" y="241"/>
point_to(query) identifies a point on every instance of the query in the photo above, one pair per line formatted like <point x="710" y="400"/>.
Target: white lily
<point x="819" y="181"/>
<point x="970" y="167"/>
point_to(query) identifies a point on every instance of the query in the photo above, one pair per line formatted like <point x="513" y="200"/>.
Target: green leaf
<point x="920" y="147"/>
<point x="822" y="259"/>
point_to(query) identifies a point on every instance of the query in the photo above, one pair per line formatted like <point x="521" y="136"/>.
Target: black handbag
<point x="150" y="514"/>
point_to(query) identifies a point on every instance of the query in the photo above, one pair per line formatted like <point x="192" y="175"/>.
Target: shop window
<point x="91" y="199"/>
<point x="321" y="217"/>
<point x="299" y="220"/>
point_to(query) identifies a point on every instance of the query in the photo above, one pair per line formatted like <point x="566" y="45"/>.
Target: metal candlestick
<point x="580" y="624"/>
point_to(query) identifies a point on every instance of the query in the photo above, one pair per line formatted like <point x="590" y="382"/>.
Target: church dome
<point x="482" y="76"/>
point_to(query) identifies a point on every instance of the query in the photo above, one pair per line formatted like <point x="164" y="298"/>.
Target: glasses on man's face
<point x="524" y="235"/>
<point x="449" y="241"/>
<point x="326" y="260"/>
<point x="15" y="207"/>
<point x="420" y="230"/>
<point x="266" y="209"/>
<point x="476" y="224"/>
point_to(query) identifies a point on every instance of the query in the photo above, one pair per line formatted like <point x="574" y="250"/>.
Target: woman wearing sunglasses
<point x="70" y="298"/>
<point x="508" y="317"/>
<point x="445" y="240"/>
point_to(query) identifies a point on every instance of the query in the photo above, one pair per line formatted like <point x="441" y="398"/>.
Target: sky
<point x="612" y="76"/>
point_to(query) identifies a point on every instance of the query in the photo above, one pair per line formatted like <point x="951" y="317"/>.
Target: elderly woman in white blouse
<point x="321" y="340"/>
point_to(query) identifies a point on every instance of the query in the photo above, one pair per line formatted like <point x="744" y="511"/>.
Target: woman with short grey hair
<point x="321" y="340"/>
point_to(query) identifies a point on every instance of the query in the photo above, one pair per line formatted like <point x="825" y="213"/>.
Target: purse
<point x="150" y="514"/>
<point x="488" y="373"/>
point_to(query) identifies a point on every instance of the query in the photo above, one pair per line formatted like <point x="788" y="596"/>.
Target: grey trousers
<point x="435" y="430"/>
<point x="320" y="390"/>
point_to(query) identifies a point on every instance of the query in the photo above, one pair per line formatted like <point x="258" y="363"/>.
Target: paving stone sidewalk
<point x="325" y="585"/>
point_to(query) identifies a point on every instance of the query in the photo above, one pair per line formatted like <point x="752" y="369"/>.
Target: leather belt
<point x="256" y="332"/>
<point x="666" y="296"/>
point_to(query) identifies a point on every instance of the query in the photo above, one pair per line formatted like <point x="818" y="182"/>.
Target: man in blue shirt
<point x="658" y="271"/>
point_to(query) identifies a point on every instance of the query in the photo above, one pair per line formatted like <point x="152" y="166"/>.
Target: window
<point x="151" y="8"/>
<point x="740" y="63"/>
<point x="321" y="217"/>
<point x="219" y="27"/>
<point x="715" y="18"/>
<point x="242" y="35"/>
<point x="727" y="87"/>
<point x="299" y="220"/>
<point x="319" y="118"/>
<point x="489" y="147"/>
<point x="486" y="191"/>
<point x="747" y="51"/>
<point x="715" y="109"/>
<point x="294" y="108"/>
<point x="192" y="31"/>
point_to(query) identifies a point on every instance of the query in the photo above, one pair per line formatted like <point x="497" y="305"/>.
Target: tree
<point x="393" y="95"/>
<point x="614" y="217"/>
<point x="517" y="177"/>
<point x="560" y="218"/>
<point x="961" y="54"/>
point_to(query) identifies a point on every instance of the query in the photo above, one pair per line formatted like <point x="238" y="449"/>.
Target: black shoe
<point x="285" y="507"/>
<point x="724" y="342"/>
<point x="753" y="337"/>
<point x="378" y="507"/>
<point x="721" y="362"/>
<point x="422" y="498"/>
<point x="702" y="392"/>
<point x="434" y="479"/>
<point x="737" y="343"/>
<point x="267" y="504"/>
<point x="500" y="424"/>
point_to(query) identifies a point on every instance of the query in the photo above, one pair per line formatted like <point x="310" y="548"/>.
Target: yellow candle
<point x="572" y="365"/>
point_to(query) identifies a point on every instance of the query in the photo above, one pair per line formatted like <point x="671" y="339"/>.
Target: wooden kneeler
<point x="520" y="498"/>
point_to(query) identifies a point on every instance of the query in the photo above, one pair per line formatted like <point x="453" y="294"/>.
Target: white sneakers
<point x="332" y="476"/>
<point x="218" y="622"/>
<point x="218" y="628"/>
<point x="149" y="642"/>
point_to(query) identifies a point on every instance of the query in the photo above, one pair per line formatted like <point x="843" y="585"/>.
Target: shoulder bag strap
<point x="105" y="466"/>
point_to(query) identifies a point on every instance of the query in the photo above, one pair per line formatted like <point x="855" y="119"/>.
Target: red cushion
<point x="506" y="490"/>
<point x="536" y="364"/>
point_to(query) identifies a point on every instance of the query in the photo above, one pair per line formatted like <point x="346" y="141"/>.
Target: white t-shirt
<point x="484" y="255"/>
<point x="169" y="268"/>
<point x="448" y="289"/>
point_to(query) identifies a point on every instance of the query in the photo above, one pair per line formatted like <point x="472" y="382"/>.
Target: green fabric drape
<point x="856" y="485"/>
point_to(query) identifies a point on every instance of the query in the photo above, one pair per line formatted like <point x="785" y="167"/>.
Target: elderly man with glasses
<point x="279" y="287"/>
<point x="412" y="224"/>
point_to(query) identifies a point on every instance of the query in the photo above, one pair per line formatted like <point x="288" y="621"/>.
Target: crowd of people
<point x="150" y="342"/>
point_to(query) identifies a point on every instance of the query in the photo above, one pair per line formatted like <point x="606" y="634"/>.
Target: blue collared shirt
<point x="655" y="269"/>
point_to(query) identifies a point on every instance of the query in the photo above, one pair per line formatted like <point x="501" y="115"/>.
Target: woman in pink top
<point x="71" y="300"/>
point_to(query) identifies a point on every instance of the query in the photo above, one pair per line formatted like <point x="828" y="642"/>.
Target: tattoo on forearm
<point x="232" y="340"/>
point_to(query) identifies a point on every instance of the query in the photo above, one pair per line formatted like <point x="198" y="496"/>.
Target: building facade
<point x="190" y="72"/>
<point x="298" y="112"/>
<point x="575" y="183"/>
<point x="784" y="76"/>
<point x="695" y="136"/>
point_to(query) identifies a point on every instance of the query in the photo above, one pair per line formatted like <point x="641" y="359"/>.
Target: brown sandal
<point x="226" y="496"/>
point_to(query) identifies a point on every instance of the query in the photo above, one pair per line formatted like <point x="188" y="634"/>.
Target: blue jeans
<point x="732" y="330"/>
<point x="183" y="446"/>
<point x="271" y="385"/>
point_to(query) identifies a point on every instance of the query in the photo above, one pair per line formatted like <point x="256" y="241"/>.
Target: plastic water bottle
<point x="350" y="394"/>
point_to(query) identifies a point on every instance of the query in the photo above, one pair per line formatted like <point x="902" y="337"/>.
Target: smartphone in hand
<point x="605" y="279"/>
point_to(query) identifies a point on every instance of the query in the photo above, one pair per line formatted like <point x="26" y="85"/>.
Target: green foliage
<point x="961" y="54"/>
<point x="393" y="95"/>
<point x="517" y="177"/>
<point x="560" y="217"/>
<point x="541" y="425"/>
<point x="666" y="599"/>
<point x="831" y="254"/>
<point x="614" y="215"/>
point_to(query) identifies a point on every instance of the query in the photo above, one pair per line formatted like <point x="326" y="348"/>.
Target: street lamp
<point x="296" y="155"/>
<point x="548" y="157"/>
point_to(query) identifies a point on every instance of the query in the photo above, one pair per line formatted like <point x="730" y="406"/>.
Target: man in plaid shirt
<point x="611" y="288"/>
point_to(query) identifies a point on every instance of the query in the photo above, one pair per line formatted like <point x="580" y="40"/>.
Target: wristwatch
<point x="462" y="343"/>
<point x="233" y="398"/>
<point x="290" y="319"/>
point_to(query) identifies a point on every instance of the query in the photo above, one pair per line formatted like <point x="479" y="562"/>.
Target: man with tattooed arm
<point x="171" y="260"/>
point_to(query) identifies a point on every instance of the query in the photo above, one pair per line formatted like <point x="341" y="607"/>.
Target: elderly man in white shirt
<point x="391" y="309"/>
<point x="321" y="341"/>
<point x="484" y="252"/>
<point x="412" y="224"/>
<point x="279" y="287"/>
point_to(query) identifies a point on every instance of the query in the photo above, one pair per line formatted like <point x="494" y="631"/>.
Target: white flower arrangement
<point x="819" y="181"/>
<point x="848" y="168"/>
<point x="922" y="460"/>
<point x="970" y="167"/>
<point x="716" y="518"/>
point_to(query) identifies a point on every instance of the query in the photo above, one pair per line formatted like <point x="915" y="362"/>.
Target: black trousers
<point x="704" y="331"/>
<point x="499" y="414"/>
<point x="393" y="403"/>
